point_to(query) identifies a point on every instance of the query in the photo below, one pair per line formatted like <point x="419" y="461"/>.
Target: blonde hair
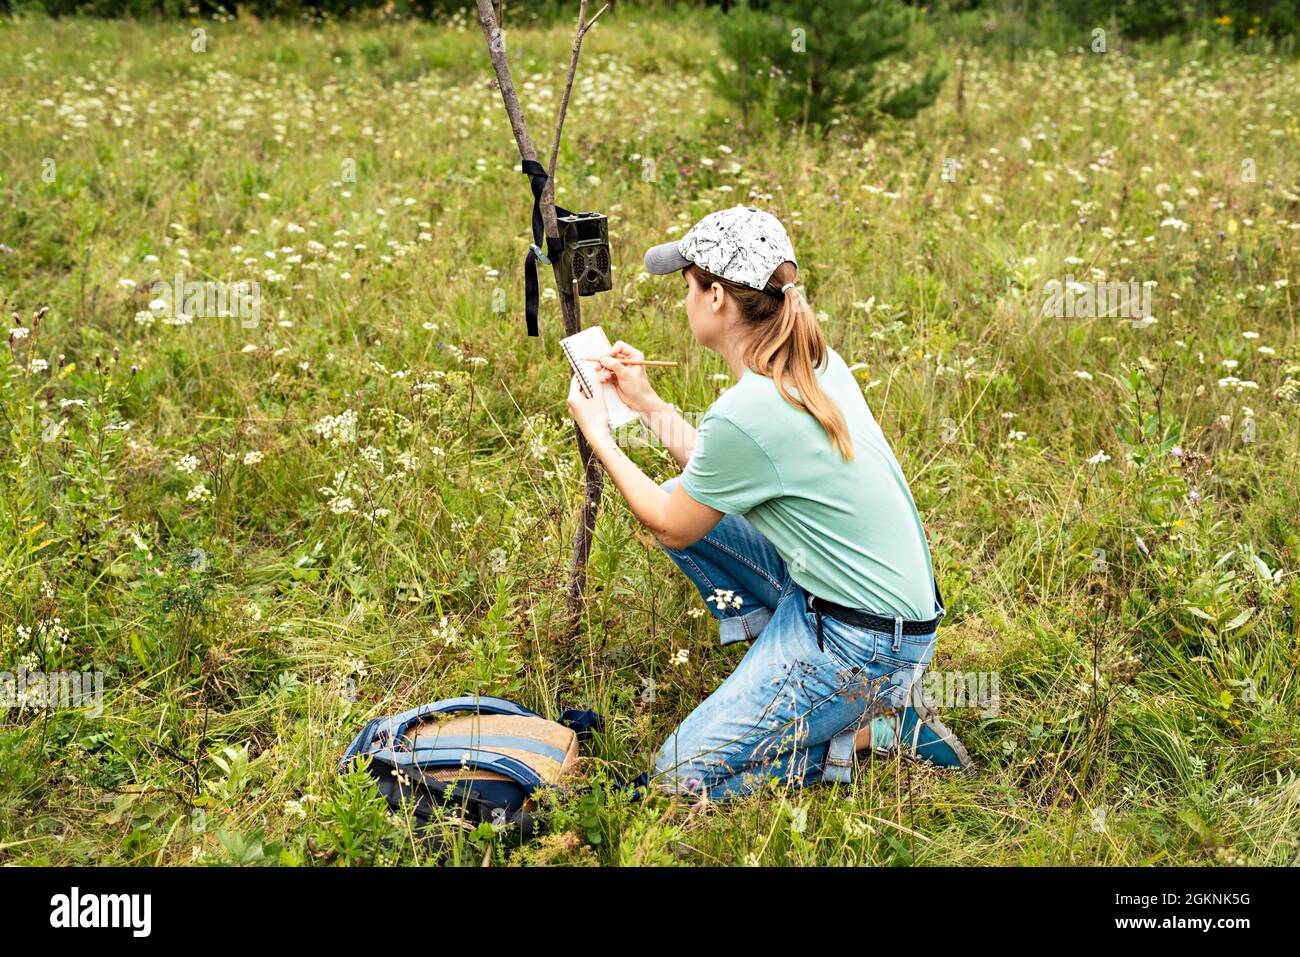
<point x="785" y="343"/>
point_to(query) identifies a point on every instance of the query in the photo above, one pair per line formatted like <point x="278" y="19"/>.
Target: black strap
<point x="554" y="244"/>
<point x="640" y="781"/>
<point x="863" y="619"/>
<point x="820" y="607"/>
<point x="582" y="723"/>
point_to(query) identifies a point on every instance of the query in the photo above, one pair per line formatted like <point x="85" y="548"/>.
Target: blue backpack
<point x="488" y="755"/>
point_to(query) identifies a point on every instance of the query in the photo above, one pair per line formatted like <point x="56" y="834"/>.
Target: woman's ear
<point x="717" y="297"/>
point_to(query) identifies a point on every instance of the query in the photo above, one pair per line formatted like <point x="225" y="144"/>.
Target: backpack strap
<point x="481" y="704"/>
<point x="360" y="744"/>
<point x="398" y="725"/>
<point x="634" y="786"/>
<point x="486" y="796"/>
<point x="479" y="741"/>
<point x="582" y="723"/>
<point x="422" y="759"/>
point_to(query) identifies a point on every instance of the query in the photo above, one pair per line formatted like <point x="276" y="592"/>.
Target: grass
<point x="256" y="584"/>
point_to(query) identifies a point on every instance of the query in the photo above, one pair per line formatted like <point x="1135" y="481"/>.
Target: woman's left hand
<point x="590" y="414"/>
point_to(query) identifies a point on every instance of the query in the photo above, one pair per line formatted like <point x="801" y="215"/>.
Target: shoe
<point x="924" y="736"/>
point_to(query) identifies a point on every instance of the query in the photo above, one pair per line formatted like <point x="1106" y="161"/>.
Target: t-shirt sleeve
<point x="728" y="470"/>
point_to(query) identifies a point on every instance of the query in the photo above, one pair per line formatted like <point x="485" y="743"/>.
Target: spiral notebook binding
<point x="588" y="389"/>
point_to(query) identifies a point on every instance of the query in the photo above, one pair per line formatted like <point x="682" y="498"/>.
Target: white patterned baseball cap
<point x="742" y="244"/>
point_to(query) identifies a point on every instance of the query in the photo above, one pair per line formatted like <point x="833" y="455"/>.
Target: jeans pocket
<point x="849" y="646"/>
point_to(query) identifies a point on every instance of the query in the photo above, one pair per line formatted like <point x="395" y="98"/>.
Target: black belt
<point x="865" y="619"/>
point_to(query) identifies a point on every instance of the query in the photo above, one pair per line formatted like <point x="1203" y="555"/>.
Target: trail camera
<point x="586" y="253"/>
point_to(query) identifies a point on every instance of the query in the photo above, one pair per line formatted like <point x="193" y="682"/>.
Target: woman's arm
<point x="677" y="520"/>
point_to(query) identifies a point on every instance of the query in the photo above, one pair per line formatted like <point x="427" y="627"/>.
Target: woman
<point x="792" y="518"/>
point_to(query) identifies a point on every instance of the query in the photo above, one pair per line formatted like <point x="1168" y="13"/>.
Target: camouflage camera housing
<point x="586" y="255"/>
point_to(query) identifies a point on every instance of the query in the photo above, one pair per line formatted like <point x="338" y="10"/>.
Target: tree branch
<point x="594" y="475"/>
<point x="501" y="66"/>
<point x="583" y="26"/>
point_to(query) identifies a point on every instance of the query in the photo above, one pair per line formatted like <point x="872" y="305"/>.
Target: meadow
<point x="266" y="532"/>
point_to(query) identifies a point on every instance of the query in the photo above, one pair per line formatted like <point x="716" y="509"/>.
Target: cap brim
<point x="665" y="258"/>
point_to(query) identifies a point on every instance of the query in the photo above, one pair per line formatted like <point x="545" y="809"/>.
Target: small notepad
<point x="592" y="341"/>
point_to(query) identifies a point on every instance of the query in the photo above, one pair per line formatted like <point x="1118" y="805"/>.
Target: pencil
<point x="632" y="362"/>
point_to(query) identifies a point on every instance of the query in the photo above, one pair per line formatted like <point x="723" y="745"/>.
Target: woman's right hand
<point x="631" y="382"/>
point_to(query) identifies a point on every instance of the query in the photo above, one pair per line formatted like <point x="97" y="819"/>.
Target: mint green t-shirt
<point x="849" y="531"/>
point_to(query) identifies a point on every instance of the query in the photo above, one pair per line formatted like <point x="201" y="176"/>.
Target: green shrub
<point x="813" y="64"/>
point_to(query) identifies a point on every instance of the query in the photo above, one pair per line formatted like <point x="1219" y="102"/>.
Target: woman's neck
<point x="732" y="353"/>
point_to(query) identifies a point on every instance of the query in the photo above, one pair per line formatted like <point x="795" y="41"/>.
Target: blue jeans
<point x="775" y="715"/>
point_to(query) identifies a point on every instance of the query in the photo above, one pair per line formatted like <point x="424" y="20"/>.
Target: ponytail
<point x="786" y="344"/>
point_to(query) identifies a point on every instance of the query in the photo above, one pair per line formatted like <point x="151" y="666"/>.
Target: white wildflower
<point x="446" y="633"/>
<point x="338" y="429"/>
<point x="723" y="598"/>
